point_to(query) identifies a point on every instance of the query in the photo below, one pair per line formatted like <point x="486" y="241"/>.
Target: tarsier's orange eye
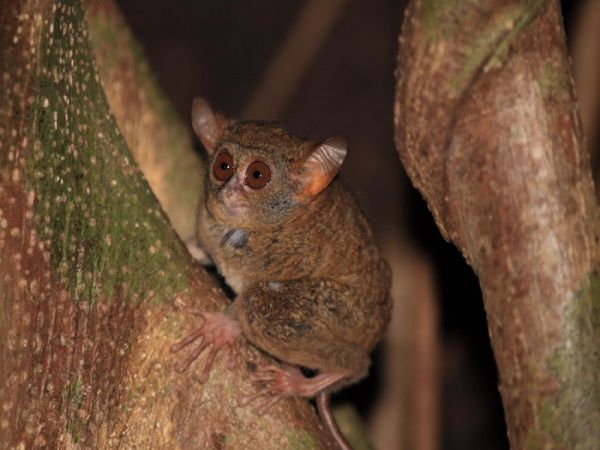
<point x="223" y="167"/>
<point x="258" y="175"/>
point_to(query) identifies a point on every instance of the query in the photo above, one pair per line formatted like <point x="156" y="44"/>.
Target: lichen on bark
<point x="565" y="417"/>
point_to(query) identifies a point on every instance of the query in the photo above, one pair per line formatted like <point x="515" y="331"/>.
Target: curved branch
<point x="159" y="142"/>
<point x="487" y="127"/>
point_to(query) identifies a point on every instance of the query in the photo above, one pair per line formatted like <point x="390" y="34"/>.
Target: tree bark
<point x="486" y="125"/>
<point x="92" y="277"/>
<point x="159" y="142"/>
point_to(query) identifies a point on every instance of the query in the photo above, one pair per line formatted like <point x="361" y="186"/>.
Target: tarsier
<point x="312" y="288"/>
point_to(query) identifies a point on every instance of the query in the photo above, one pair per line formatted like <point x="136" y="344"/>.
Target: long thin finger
<point x="268" y="373"/>
<point x="269" y="368"/>
<point x="209" y="362"/>
<point x="257" y="377"/>
<point x="187" y="340"/>
<point x="190" y="359"/>
<point x="245" y="400"/>
<point x="232" y="355"/>
<point x="261" y="410"/>
<point x="195" y="311"/>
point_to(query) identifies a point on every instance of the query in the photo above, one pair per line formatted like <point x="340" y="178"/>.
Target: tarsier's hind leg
<point x="305" y="322"/>
<point x="309" y="323"/>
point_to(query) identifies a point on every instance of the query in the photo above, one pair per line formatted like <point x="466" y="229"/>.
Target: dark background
<point x="221" y="49"/>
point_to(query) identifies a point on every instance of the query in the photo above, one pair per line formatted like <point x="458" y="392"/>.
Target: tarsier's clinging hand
<point x="312" y="288"/>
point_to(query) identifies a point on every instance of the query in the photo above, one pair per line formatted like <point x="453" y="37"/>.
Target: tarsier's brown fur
<point x="312" y="288"/>
<point x="330" y="305"/>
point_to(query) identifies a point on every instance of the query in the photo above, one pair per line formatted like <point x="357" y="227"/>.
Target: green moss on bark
<point x="122" y="56"/>
<point x="518" y="21"/>
<point x="572" y="416"/>
<point x="300" y="440"/>
<point x="72" y="400"/>
<point x="434" y="17"/>
<point x="553" y="81"/>
<point x="483" y="47"/>
<point x="105" y="232"/>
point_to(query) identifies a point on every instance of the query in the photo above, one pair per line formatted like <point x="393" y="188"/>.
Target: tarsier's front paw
<point x="198" y="252"/>
<point x="218" y="331"/>
<point x="286" y="380"/>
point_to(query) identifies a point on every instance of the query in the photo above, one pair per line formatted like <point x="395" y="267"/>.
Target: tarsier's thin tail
<point x="329" y="420"/>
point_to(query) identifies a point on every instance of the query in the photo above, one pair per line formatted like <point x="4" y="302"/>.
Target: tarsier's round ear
<point x="321" y="166"/>
<point x="208" y="124"/>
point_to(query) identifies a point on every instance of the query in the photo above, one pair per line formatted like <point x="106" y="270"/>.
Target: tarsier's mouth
<point x="233" y="206"/>
<point x="229" y="212"/>
<point x="235" y="209"/>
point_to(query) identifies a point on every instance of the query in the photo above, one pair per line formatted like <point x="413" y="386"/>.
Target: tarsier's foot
<point x="217" y="331"/>
<point x="287" y="381"/>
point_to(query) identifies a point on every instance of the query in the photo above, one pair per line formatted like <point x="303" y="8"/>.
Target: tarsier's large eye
<point x="223" y="167"/>
<point x="258" y="175"/>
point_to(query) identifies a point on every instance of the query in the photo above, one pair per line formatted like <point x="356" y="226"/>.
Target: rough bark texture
<point x="487" y="128"/>
<point x="159" y="142"/>
<point x="91" y="274"/>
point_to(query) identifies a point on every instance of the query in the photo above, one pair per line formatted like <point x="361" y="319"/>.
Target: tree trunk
<point x="487" y="128"/>
<point x="92" y="277"/>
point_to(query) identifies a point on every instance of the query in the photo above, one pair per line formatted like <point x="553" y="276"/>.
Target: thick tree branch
<point x="92" y="274"/>
<point x="159" y="142"/>
<point x="487" y="128"/>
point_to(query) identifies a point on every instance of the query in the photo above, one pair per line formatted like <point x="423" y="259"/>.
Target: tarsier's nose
<point x="232" y="188"/>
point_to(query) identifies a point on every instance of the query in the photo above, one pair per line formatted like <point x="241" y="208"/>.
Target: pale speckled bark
<point x="159" y="141"/>
<point x="92" y="276"/>
<point x="487" y="128"/>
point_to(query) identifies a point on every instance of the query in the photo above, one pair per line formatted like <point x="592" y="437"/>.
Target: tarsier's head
<point x="259" y="173"/>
